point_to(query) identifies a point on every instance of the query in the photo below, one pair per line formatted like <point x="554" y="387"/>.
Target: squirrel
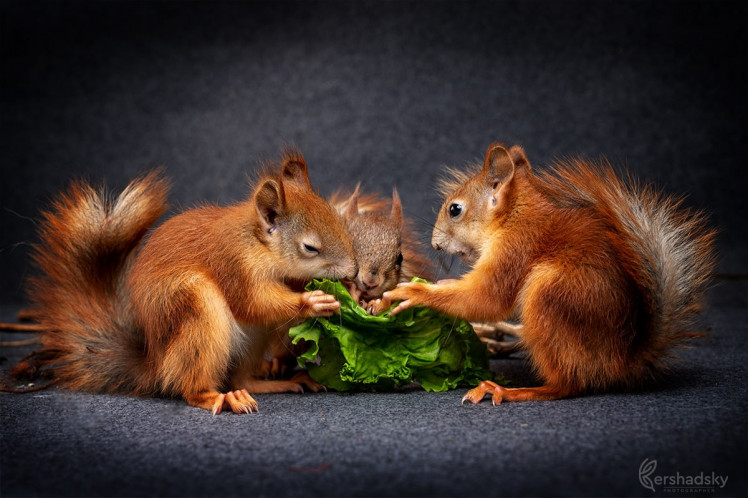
<point x="191" y="310"/>
<point x="387" y="249"/>
<point x="606" y="276"/>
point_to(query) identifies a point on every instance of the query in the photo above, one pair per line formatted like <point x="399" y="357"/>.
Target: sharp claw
<point x="218" y="407"/>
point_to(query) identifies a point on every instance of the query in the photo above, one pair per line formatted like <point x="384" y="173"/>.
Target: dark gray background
<point x="386" y="93"/>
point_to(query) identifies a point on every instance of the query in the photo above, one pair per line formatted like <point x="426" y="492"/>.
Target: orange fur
<point x="192" y="311"/>
<point x="605" y="276"/>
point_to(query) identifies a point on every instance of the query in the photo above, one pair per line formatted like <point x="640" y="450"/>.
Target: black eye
<point x="399" y="260"/>
<point x="311" y="249"/>
<point x="455" y="210"/>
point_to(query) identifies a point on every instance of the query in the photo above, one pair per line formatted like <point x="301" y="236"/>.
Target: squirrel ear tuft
<point x="270" y="200"/>
<point x="397" y="209"/>
<point x="351" y="209"/>
<point x="294" y="168"/>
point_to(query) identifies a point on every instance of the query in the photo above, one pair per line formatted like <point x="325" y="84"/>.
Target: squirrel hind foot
<point x="238" y="401"/>
<point x="499" y="393"/>
<point x="295" y="384"/>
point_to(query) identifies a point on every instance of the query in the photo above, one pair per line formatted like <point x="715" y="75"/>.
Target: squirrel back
<point x="607" y="276"/>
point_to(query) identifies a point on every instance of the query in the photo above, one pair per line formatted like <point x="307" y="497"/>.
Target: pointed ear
<point x="397" y="210"/>
<point x="521" y="163"/>
<point x="499" y="169"/>
<point x="270" y="201"/>
<point x="294" y="168"/>
<point x="351" y="209"/>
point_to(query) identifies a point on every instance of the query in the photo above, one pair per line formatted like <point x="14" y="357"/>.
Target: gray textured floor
<point x="56" y="443"/>
<point x="385" y="93"/>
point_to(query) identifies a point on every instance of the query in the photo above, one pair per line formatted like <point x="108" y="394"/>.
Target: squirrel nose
<point x="370" y="281"/>
<point x="436" y="246"/>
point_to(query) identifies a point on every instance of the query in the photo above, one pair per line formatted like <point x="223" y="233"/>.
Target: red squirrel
<point x="190" y="311"/>
<point x="606" y="278"/>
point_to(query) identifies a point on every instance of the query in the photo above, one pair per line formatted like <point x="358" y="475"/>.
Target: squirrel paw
<point x="353" y="290"/>
<point x="303" y="377"/>
<point x="293" y="385"/>
<point x="237" y="401"/>
<point x="317" y="303"/>
<point x="376" y="306"/>
<point x="476" y="394"/>
<point x="499" y="394"/>
<point x="408" y="293"/>
<point x="502" y="348"/>
<point x="273" y="369"/>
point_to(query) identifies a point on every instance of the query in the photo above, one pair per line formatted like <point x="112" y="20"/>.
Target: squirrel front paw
<point x="376" y="306"/>
<point x="409" y="294"/>
<point x="317" y="303"/>
<point x="353" y="290"/>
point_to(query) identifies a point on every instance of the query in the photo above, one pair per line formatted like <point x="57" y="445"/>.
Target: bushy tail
<point x="676" y="247"/>
<point x="86" y="243"/>
<point x="670" y="248"/>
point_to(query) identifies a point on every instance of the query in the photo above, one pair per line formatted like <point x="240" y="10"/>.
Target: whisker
<point x="423" y="221"/>
<point x="27" y="218"/>
<point x="429" y="224"/>
<point x="454" y="323"/>
<point x="12" y="247"/>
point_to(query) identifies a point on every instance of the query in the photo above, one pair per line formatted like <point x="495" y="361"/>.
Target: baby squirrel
<point x="190" y="311"/>
<point x="387" y="248"/>
<point x="605" y="277"/>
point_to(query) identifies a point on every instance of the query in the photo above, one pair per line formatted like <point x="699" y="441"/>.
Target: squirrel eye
<point x="455" y="210"/>
<point x="311" y="249"/>
<point x="399" y="260"/>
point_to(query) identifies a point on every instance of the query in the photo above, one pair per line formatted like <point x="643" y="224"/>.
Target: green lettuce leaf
<point x="355" y="350"/>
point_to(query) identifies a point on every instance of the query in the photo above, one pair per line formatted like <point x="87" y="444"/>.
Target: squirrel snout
<point x="371" y="281"/>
